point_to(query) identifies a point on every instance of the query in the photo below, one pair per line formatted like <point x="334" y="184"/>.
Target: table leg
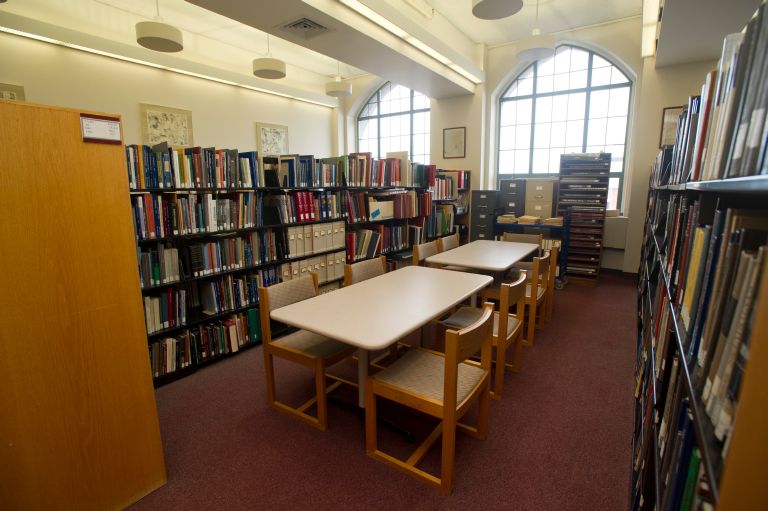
<point x="473" y="300"/>
<point x="362" y="374"/>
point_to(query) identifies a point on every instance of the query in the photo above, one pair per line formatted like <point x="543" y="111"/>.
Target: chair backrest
<point x="462" y="344"/>
<point x="282" y="294"/>
<point x="448" y="242"/>
<point x="536" y="239"/>
<point x="511" y="293"/>
<point x="422" y="251"/>
<point x="540" y="273"/>
<point x="364" y="270"/>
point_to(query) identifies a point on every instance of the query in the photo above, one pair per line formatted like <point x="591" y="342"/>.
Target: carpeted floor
<point x="560" y="438"/>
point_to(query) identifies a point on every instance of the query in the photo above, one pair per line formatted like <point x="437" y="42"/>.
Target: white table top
<point x="485" y="255"/>
<point x="377" y="312"/>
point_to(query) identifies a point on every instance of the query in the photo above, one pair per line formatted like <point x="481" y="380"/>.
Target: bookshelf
<point x="700" y="415"/>
<point x="582" y="197"/>
<point x="77" y="400"/>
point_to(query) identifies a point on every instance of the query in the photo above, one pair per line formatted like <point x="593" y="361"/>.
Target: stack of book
<point x="529" y="219"/>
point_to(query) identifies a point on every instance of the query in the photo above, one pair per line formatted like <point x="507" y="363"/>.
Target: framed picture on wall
<point x="454" y="142"/>
<point x="669" y="119"/>
<point x="271" y="139"/>
<point x="165" y="124"/>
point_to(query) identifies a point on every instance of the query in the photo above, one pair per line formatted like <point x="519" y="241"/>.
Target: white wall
<point x="222" y="115"/>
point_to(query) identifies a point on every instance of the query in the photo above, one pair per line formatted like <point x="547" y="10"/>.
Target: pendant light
<point x="268" y="67"/>
<point x="537" y="46"/>
<point x="495" y="9"/>
<point x="336" y="88"/>
<point x="159" y="36"/>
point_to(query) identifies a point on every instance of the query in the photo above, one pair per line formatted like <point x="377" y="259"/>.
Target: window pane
<point x="557" y="135"/>
<point x="613" y="193"/>
<point x="540" y="160"/>
<point x="598" y="103"/>
<point x="616" y="130"/>
<point x="508" y="114"/>
<point x="576" y="106"/>
<point x="421" y="122"/>
<point x="544" y="109"/>
<point x="523" y="136"/>
<point x="544" y="84"/>
<point x="506" y="138"/>
<point x="601" y="76"/>
<point x="598" y="61"/>
<point x="619" y="102"/>
<point x="617" y="76"/>
<point x="367" y="129"/>
<point x="574" y="133"/>
<point x="578" y="79"/>
<point x="420" y="101"/>
<point x="370" y="109"/>
<point x="506" y="162"/>
<point x="546" y="66"/>
<point x="579" y="59"/>
<point x="562" y="60"/>
<point x="541" y="134"/>
<point x="521" y="160"/>
<point x="559" y="107"/>
<point x="524" y="111"/>
<point x="596" y="132"/>
<point x="525" y="87"/>
<point x="561" y="82"/>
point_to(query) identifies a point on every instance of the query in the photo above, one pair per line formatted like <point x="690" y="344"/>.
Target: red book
<point x="351" y="244"/>
<point x="149" y="214"/>
<point x="311" y="205"/>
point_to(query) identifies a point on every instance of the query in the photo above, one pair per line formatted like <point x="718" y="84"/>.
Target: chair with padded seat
<point x="422" y="251"/>
<point x="364" y="270"/>
<point x="511" y="294"/>
<point x="536" y="295"/>
<point x="302" y="347"/>
<point x="441" y="385"/>
<point x="449" y="243"/>
<point x="516" y="237"/>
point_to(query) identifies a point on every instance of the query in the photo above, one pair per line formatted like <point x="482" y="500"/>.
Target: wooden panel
<point x="743" y="486"/>
<point x="79" y="425"/>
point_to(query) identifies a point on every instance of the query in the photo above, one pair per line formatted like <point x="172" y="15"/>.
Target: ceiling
<point x="713" y="19"/>
<point x="222" y="37"/>
<point x="554" y="16"/>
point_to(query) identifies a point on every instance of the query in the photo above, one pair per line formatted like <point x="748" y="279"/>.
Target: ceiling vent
<point x="304" y="27"/>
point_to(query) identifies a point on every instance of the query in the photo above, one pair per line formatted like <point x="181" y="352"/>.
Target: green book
<point x="690" y="482"/>
<point x="254" y="325"/>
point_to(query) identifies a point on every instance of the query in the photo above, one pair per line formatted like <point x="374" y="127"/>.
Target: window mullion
<point x="586" y="103"/>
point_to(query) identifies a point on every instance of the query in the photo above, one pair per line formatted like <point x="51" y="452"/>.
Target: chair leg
<point x="448" y="455"/>
<point x="517" y="354"/>
<point x="269" y="374"/>
<point x="322" y="398"/>
<point x="499" y="369"/>
<point x="531" y="323"/>
<point x="482" y="412"/>
<point x="371" y="443"/>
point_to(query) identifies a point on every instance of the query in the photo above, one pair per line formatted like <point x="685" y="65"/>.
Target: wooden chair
<point x="302" y="347"/>
<point x="440" y="385"/>
<point x="449" y="243"/>
<point x="507" y="328"/>
<point x="422" y="251"/>
<point x="536" y="295"/>
<point x="364" y="270"/>
<point x="536" y="239"/>
<point x="553" y="253"/>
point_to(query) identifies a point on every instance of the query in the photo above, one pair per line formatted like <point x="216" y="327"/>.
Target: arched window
<point x="575" y="101"/>
<point x="395" y="119"/>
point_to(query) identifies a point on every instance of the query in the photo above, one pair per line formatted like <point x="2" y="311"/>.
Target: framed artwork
<point x="454" y="142"/>
<point x="165" y="124"/>
<point x="669" y="117"/>
<point x="271" y="139"/>
<point x="10" y="91"/>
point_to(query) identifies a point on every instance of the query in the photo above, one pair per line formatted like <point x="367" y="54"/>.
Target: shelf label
<point x="101" y="129"/>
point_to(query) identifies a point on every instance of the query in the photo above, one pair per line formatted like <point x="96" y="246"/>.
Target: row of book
<point x="159" y="216"/>
<point x="447" y="184"/>
<point x="396" y="204"/>
<point x="165" y="167"/>
<point x="722" y="132"/>
<point x="203" y="342"/>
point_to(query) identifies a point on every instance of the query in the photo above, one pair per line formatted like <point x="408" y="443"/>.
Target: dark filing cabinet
<point x="511" y="198"/>
<point x="484" y="208"/>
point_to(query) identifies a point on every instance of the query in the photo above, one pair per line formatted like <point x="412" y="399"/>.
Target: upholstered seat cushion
<point x="465" y="316"/>
<point x="423" y="372"/>
<point x="311" y="344"/>
<point x="539" y="294"/>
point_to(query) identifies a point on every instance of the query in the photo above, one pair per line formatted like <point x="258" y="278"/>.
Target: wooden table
<point x="494" y="256"/>
<point x="376" y="313"/>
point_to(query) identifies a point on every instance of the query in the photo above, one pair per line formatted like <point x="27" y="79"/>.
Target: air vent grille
<point x="305" y="28"/>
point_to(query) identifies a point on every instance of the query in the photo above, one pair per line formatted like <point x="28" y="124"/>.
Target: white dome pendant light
<point x="159" y="36"/>
<point x="268" y="67"/>
<point x="495" y="9"/>
<point x="337" y="88"/>
<point x="537" y="46"/>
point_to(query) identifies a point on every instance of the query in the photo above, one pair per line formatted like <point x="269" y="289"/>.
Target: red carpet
<point x="560" y="438"/>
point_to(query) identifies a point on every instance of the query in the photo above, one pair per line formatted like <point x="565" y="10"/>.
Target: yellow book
<point x="693" y="272"/>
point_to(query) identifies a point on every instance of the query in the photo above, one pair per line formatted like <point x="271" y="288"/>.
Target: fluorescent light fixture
<point x="94" y="51"/>
<point x="650" y="25"/>
<point x="390" y="27"/>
